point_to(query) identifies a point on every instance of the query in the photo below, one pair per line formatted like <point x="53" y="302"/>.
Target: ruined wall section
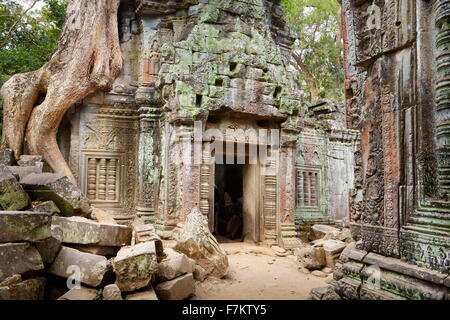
<point x="391" y="51"/>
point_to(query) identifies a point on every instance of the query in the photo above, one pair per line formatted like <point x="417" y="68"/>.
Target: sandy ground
<point x="257" y="273"/>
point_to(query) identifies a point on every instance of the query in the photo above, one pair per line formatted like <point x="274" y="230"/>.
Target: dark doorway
<point x="228" y="201"/>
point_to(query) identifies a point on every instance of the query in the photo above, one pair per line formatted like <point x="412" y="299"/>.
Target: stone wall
<point x="395" y="92"/>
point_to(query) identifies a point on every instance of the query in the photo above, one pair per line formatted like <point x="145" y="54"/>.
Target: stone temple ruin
<point x="226" y="65"/>
<point x="201" y="79"/>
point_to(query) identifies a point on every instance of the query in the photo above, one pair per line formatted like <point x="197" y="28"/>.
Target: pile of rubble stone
<point x="51" y="240"/>
<point x="320" y="255"/>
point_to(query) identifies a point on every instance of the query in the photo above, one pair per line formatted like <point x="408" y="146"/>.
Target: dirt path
<point x="257" y="273"/>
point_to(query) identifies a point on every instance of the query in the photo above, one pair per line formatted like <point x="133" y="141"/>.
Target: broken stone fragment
<point x="79" y="230"/>
<point x="24" y="226"/>
<point x="177" y="289"/>
<point x="135" y="266"/>
<point x="318" y="231"/>
<point x="47" y="206"/>
<point x="148" y="294"/>
<point x="12" y="195"/>
<point x="112" y="292"/>
<point x="49" y="248"/>
<point x="19" y="258"/>
<point x="174" y="265"/>
<point x="197" y="242"/>
<point x="57" y="188"/>
<point x="323" y="293"/>
<point x="80" y="293"/>
<point x="312" y="258"/>
<point x="200" y="274"/>
<point x="319" y="274"/>
<point x="31" y="289"/>
<point x="93" y="270"/>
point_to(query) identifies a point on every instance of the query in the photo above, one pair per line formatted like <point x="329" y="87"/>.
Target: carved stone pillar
<point x="442" y="25"/>
<point x="148" y="164"/>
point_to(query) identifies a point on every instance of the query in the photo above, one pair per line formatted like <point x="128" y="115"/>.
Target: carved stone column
<point x="442" y="25"/>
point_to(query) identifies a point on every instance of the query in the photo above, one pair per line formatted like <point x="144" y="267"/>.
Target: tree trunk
<point x="87" y="59"/>
<point x="310" y="81"/>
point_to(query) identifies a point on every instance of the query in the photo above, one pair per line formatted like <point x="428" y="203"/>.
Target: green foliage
<point x="316" y="24"/>
<point x="27" y="38"/>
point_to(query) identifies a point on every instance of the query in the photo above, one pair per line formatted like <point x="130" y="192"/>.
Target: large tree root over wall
<point x="87" y="58"/>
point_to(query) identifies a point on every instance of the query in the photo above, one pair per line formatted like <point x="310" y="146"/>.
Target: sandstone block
<point x="176" y="289"/>
<point x="197" y="242"/>
<point x="333" y="250"/>
<point x="174" y="265"/>
<point x="135" y="266"/>
<point x="112" y="292"/>
<point x="80" y="293"/>
<point x="102" y="216"/>
<point x="19" y="258"/>
<point x="312" y="258"/>
<point x="49" y="248"/>
<point x="31" y="289"/>
<point x="148" y="294"/>
<point x="105" y="251"/>
<point x="12" y="195"/>
<point x="24" y="226"/>
<point x="22" y="172"/>
<point x="30" y="160"/>
<point x="79" y="230"/>
<point x="319" y="231"/>
<point x="57" y="188"/>
<point x="94" y="269"/>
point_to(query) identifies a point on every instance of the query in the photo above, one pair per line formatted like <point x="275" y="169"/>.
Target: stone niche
<point x="397" y="96"/>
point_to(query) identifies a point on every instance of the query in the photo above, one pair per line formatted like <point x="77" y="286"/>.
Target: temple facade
<point x="194" y="71"/>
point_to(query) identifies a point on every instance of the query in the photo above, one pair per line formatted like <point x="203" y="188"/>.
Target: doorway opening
<point x="228" y="201"/>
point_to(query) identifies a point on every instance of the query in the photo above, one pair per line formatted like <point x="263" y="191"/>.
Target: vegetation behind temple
<point x="27" y="37"/>
<point x="318" y="49"/>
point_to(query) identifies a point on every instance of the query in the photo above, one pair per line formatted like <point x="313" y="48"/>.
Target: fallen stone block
<point x="57" y="188"/>
<point x="24" y="226"/>
<point x="145" y="233"/>
<point x="102" y="216"/>
<point x="148" y="294"/>
<point x="105" y="251"/>
<point x="22" y="172"/>
<point x="319" y="231"/>
<point x="319" y="274"/>
<point x="19" y="258"/>
<point x="49" y="248"/>
<point x="79" y="230"/>
<point x="333" y="250"/>
<point x="31" y="289"/>
<point x="12" y="195"/>
<point x="177" y="289"/>
<point x="80" y="293"/>
<point x="93" y="270"/>
<point x="112" y="292"/>
<point x="174" y="265"/>
<point x="312" y="258"/>
<point x="47" y="206"/>
<point x="135" y="266"/>
<point x="197" y="242"/>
